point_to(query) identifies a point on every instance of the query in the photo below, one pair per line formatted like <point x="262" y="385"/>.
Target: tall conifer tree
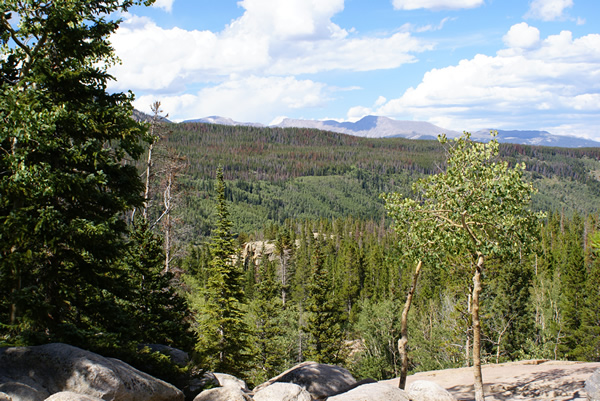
<point x="223" y="335"/>
<point x="64" y="178"/>
<point x="324" y="322"/>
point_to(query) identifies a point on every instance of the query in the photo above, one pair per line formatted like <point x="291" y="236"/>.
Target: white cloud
<point x="554" y="84"/>
<point x="522" y="36"/>
<point x="270" y="38"/>
<point x="166" y="5"/>
<point x="548" y="10"/>
<point x="243" y="99"/>
<point x="435" y="4"/>
<point x="360" y="54"/>
<point x="290" y="19"/>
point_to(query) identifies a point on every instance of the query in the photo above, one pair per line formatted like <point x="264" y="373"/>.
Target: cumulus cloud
<point x="548" y="10"/>
<point x="435" y="4"/>
<point x="276" y="38"/>
<point x="251" y="98"/>
<point x="522" y="36"/>
<point x="547" y="86"/>
<point x="291" y="19"/>
<point x="166" y="5"/>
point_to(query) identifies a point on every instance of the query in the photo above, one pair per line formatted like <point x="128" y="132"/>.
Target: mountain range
<point x="384" y="127"/>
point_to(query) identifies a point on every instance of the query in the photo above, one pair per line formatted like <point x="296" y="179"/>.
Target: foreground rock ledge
<point x="320" y="380"/>
<point x="36" y="373"/>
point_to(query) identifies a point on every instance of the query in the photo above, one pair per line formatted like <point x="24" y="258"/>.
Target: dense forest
<point x="277" y="173"/>
<point x="257" y="248"/>
<point x="296" y="193"/>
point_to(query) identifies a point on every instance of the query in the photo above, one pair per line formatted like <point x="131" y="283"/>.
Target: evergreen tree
<point x="589" y="347"/>
<point x="324" y="322"/>
<point x="157" y="312"/>
<point x="266" y="317"/>
<point x="223" y="335"/>
<point x="65" y="182"/>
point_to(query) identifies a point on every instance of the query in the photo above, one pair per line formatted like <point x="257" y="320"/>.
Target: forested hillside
<point x="278" y="173"/>
<point x="326" y="248"/>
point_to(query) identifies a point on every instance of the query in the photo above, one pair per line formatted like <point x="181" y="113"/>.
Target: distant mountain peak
<point x="222" y="121"/>
<point x="384" y="127"/>
<point x="374" y="127"/>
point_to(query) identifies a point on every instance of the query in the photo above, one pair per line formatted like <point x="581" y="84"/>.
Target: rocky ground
<point x="524" y="380"/>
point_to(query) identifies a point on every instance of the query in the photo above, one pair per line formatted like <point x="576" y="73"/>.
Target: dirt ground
<point x="524" y="380"/>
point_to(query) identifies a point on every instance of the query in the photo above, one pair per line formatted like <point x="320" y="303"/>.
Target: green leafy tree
<point x="64" y="178"/>
<point x="223" y="335"/>
<point x="418" y="243"/>
<point x="478" y="207"/>
<point x="378" y="326"/>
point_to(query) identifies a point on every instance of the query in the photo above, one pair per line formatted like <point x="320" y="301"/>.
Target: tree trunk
<point x="468" y="340"/>
<point x="147" y="184"/>
<point x="402" y="342"/>
<point x="479" y="396"/>
<point x="167" y="226"/>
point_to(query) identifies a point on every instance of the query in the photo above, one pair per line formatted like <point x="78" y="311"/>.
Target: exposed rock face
<point x="223" y="394"/>
<point x="282" y="392"/>
<point x="226" y="380"/>
<point x="35" y="373"/>
<point x="196" y="384"/>
<point x="424" y="390"/>
<point x="373" y="392"/>
<point x="179" y="357"/>
<point x="319" y="380"/>
<point x="592" y="386"/>
<point x="70" y="396"/>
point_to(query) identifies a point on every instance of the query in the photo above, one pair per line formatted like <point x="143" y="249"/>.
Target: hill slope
<point x="280" y="173"/>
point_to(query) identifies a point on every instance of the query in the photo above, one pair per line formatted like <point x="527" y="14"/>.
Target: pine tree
<point x="573" y="277"/>
<point x="158" y="314"/>
<point x="66" y="182"/>
<point x="324" y="322"/>
<point x="223" y="335"/>
<point x="266" y="315"/>
<point x="589" y="347"/>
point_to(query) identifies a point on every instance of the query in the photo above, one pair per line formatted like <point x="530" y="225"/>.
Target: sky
<point x="459" y="64"/>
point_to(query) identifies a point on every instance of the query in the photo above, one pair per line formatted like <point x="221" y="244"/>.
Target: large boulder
<point x="200" y="382"/>
<point x="592" y="386"/>
<point x="372" y="392"/>
<point x="177" y="356"/>
<point x="320" y="380"/>
<point x="70" y="396"/>
<point x="226" y="380"/>
<point x="229" y="393"/>
<point x="35" y="373"/>
<point x="424" y="390"/>
<point x="282" y="392"/>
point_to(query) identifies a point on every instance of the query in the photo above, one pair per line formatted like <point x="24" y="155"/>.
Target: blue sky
<point x="459" y="64"/>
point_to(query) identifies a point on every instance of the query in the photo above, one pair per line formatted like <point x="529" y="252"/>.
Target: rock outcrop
<point x="36" y="373"/>
<point x="226" y="380"/>
<point x="592" y="386"/>
<point x="373" y="392"/>
<point x="229" y="393"/>
<point x="70" y="396"/>
<point x="282" y="392"/>
<point x="320" y="380"/>
<point x="424" y="390"/>
<point x="177" y="356"/>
